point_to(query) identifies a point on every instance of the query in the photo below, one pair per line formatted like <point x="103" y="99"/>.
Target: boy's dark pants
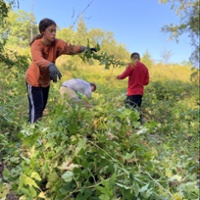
<point x="134" y="101"/>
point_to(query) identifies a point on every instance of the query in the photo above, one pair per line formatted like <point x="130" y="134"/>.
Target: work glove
<point x="54" y="72"/>
<point x="89" y="49"/>
<point x="93" y="49"/>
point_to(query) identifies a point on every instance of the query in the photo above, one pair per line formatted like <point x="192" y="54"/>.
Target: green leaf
<point x="104" y="197"/>
<point x="42" y="195"/>
<point x="52" y="178"/>
<point x="33" y="192"/>
<point x="14" y="159"/>
<point x="36" y="176"/>
<point x="136" y="189"/>
<point x="98" y="47"/>
<point x="4" y="190"/>
<point x="67" y="176"/>
<point x="128" y="156"/>
<point x="144" y="188"/>
<point x="6" y="173"/>
<point x="123" y="186"/>
<point x="81" y="145"/>
<point x="25" y="191"/>
<point x="28" y="181"/>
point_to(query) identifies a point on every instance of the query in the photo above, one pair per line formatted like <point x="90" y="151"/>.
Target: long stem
<point x="170" y="194"/>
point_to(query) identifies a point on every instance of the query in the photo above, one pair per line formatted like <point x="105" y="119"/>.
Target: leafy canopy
<point x="188" y="11"/>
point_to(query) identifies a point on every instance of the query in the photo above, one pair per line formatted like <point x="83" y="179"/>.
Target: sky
<point x="135" y="23"/>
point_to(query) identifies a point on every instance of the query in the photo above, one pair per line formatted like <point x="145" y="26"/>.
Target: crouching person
<point x="77" y="91"/>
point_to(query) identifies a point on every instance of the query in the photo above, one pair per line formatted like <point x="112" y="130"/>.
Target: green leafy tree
<point x="188" y="11"/>
<point x="96" y="35"/>
<point x="66" y="34"/>
<point x="19" y="28"/>
<point x="108" y="43"/>
<point x="8" y="56"/>
<point x="147" y="60"/>
<point x="4" y="8"/>
<point x="121" y="52"/>
<point x="81" y="33"/>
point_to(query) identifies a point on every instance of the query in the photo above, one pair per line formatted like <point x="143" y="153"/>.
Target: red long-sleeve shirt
<point x="138" y="76"/>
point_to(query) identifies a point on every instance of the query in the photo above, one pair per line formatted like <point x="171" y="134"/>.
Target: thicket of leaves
<point x="102" y="153"/>
<point x="188" y="13"/>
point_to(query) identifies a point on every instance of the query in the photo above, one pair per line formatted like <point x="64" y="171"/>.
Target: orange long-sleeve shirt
<point x="42" y="55"/>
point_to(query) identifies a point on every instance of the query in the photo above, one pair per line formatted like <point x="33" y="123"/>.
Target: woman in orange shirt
<point x="45" y="49"/>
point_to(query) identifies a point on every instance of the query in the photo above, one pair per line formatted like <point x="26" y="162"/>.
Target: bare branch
<point x="82" y="13"/>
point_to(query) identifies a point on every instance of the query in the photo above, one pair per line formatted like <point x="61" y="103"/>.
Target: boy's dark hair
<point x="44" y="23"/>
<point x="94" y="85"/>
<point x="135" y="54"/>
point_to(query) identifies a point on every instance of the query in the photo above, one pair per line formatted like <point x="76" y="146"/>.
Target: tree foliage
<point x="103" y="58"/>
<point x="109" y="52"/>
<point x="19" y="28"/>
<point x="67" y="34"/>
<point x="4" y="8"/>
<point x="9" y="56"/>
<point x="81" y="32"/>
<point x="188" y="11"/>
<point x="147" y="59"/>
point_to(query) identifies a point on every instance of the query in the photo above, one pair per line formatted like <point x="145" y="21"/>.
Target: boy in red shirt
<point x="138" y="77"/>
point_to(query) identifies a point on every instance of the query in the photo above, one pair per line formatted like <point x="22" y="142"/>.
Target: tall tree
<point x="188" y="11"/>
<point x="147" y="60"/>
<point x="165" y="55"/>
<point x="96" y="35"/>
<point x="81" y="33"/>
<point x="5" y="7"/>
<point x="19" y="28"/>
<point x="7" y="57"/>
<point x="66" y="34"/>
<point x="108" y="44"/>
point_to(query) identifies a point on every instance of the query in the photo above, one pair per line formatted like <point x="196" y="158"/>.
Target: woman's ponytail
<point x="38" y="36"/>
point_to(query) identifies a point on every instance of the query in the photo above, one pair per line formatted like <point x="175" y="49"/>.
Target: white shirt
<point x="79" y="85"/>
